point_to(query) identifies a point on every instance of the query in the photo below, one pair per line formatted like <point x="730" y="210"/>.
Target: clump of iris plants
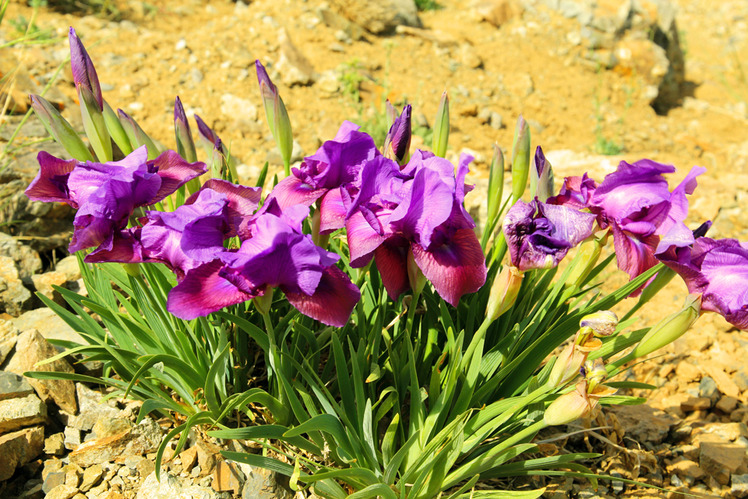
<point x="353" y="320"/>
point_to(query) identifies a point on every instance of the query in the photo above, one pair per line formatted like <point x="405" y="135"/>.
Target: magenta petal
<point x="174" y="172"/>
<point x="362" y="239"/>
<point x="204" y="291"/>
<point x="291" y="191"/>
<point x="392" y="263"/>
<point x="635" y="254"/>
<point x="455" y="268"/>
<point x="332" y="211"/>
<point x="242" y="203"/>
<point x="125" y="248"/>
<point x="51" y="183"/>
<point x="332" y="301"/>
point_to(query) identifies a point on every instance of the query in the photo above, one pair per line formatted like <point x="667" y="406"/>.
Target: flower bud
<point x="136" y="135"/>
<point x="504" y="291"/>
<point x="569" y="406"/>
<point x="567" y="365"/>
<point x="520" y="158"/>
<point x="116" y="131"/>
<point x="586" y="258"/>
<point x="397" y="143"/>
<point x="94" y="125"/>
<point x="185" y="144"/>
<point x="670" y="328"/>
<point x="602" y="322"/>
<point x="59" y="128"/>
<point x="541" y="177"/>
<point x="495" y="185"/>
<point x="441" y="127"/>
<point x="277" y="116"/>
<point x="84" y="73"/>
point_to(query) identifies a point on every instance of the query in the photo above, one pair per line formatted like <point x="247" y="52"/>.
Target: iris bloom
<point x="539" y="235"/>
<point x="106" y="194"/>
<point x="320" y="176"/>
<point x="718" y="269"/>
<point x="277" y="255"/>
<point x="415" y="215"/>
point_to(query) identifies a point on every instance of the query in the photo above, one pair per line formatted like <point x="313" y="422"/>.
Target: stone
<point x="54" y="445"/>
<point x="644" y="423"/>
<point x="720" y="459"/>
<point x="19" y="448"/>
<point x="687" y="371"/>
<point x="93" y="408"/>
<point x="727" y="431"/>
<point x="206" y="456"/>
<point x="69" y="267"/>
<point x="72" y="437"/>
<point x="497" y="12"/>
<point x="708" y="389"/>
<point x="294" y="68"/>
<point x="227" y="477"/>
<point x="726" y="404"/>
<point x="261" y="484"/>
<point x="14" y="297"/>
<point x="685" y="468"/>
<point x="136" y="440"/>
<point x="739" y="486"/>
<point x="27" y="261"/>
<point x="32" y="348"/>
<point x="91" y="477"/>
<point x="43" y="283"/>
<point x="379" y="17"/>
<point x="8" y="337"/>
<point x="237" y="108"/>
<point x="724" y="383"/>
<point x="696" y="404"/>
<point x="53" y="480"/>
<point x="188" y="458"/>
<point x="170" y="487"/>
<point x="62" y="492"/>
<point x="17" y="413"/>
<point x="49" y="324"/>
<point x="13" y="386"/>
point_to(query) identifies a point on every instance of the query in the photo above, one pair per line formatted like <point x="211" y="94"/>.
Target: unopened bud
<point x="588" y="253"/>
<point x="441" y="127"/>
<point x="116" y="131"/>
<point x="504" y="291"/>
<point x="136" y="135"/>
<point x="495" y="185"/>
<point x="60" y="129"/>
<point x="602" y="322"/>
<point x="277" y="116"/>
<point x="264" y="301"/>
<point x="541" y="177"/>
<point x="520" y="158"/>
<point x="569" y="406"/>
<point x="567" y="365"/>
<point x="670" y="328"/>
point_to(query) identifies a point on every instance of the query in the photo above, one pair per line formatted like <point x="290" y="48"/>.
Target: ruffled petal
<point x="333" y="300"/>
<point x="51" y="183"/>
<point x="332" y="212"/>
<point x="362" y="239"/>
<point x="174" y="171"/>
<point x="292" y="191"/>
<point x="391" y="259"/>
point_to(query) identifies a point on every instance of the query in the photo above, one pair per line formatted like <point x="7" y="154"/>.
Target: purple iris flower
<point x="105" y="194"/>
<point x="718" y="269"/>
<point x="416" y="213"/>
<point x="320" y="176"/>
<point x="539" y="235"/>
<point x="397" y="143"/>
<point x="642" y="213"/>
<point x="277" y="255"/>
<point x="575" y="192"/>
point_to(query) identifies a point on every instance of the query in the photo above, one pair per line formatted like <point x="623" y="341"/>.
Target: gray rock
<point x="134" y="440"/>
<point x="17" y="413"/>
<point x="379" y="17"/>
<point x="13" y="386"/>
<point x="53" y="480"/>
<point x="644" y="423"/>
<point x="739" y="486"/>
<point x="261" y="484"/>
<point x="26" y="260"/>
<point x="19" y="448"/>
<point x="72" y="438"/>
<point x="8" y="337"/>
<point x="92" y="408"/>
<point x="170" y="487"/>
<point x="708" y="389"/>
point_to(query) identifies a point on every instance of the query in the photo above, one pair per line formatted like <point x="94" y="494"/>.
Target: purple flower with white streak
<point x="320" y="176"/>
<point x="417" y="214"/>
<point x="277" y="255"/>
<point x="539" y="235"/>
<point x="105" y="194"/>
<point x="718" y="269"/>
<point x="642" y="213"/>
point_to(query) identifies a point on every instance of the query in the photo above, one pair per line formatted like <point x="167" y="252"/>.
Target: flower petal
<point x="174" y="171"/>
<point x="333" y="300"/>
<point x="391" y="259"/>
<point x="51" y="183"/>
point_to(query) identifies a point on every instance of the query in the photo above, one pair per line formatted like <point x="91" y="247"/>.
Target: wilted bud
<point x="520" y="158"/>
<point x="397" y="143"/>
<point x="541" y="177"/>
<point x="277" y="116"/>
<point x="185" y="144"/>
<point x="441" y="127"/>
<point x="567" y="365"/>
<point x="586" y="259"/>
<point x="594" y="373"/>
<point x="569" y="406"/>
<point x="60" y="129"/>
<point x="136" y="135"/>
<point x="94" y="125"/>
<point x="114" y="127"/>
<point x="504" y="291"/>
<point x="670" y="328"/>
<point x="495" y="185"/>
<point x="602" y="322"/>
<point x="83" y="70"/>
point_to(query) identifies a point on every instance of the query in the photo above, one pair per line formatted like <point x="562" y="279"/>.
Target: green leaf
<point x="374" y="491"/>
<point x="262" y="462"/>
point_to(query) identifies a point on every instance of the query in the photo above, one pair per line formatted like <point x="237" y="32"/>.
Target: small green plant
<point x="424" y="5"/>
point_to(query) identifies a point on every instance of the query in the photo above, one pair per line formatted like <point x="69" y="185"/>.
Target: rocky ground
<point x="597" y="81"/>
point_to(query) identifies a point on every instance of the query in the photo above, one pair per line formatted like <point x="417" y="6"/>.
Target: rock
<point x="62" y="492"/>
<point x="724" y="383"/>
<point x="261" y="484"/>
<point x="727" y="431"/>
<point x="739" y="485"/>
<point x="687" y="371"/>
<point x="91" y="477"/>
<point x="188" y="458"/>
<point x="136" y="440"/>
<point x="14" y="297"/>
<point x="294" y="68"/>
<point x="13" y="386"/>
<point x="16" y="413"/>
<point x="92" y="409"/>
<point x="54" y="445"/>
<point x="720" y="459"/>
<point x="339" y="23"/>
<point x="68" y="266"/>
<point x="236" y="108"/>
<point x="497" y="12"/>
<point x="19" y="448"/>
<point x="49" y="324"/>
<point x="43" y="283"/>
<point x="170" y="487"/>
<point x="32" y="348"/>
<point x="26" y="260"/>
<point x="695" y="404"/>
<point x="726" y="404"/>
<point x="72" y="437"/>
<point x="53" y="480"/>
<point x="708" y="389"/>
<point x="686" y="468"/>
<point x="379" y="17"/>
<point x="8" y="337"/>
<point x="227" y="477"/>
<point x="644" y="423"/>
